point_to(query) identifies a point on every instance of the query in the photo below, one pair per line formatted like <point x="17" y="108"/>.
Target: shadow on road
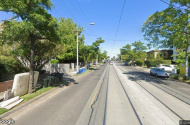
<point x="138" y="76"/>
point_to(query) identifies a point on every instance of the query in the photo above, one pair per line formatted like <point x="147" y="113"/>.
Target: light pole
<point x="78" y="46"/>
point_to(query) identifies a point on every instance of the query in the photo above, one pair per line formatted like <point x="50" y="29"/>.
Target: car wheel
<point x="156" y="75"/>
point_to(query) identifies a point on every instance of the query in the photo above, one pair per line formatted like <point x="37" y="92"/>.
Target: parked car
<point x="166" y="67"/>
<point x="159" y="72"/>
<point x="126" y="63"/>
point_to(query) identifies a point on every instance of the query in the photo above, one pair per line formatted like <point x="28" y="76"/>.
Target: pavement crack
<point x="97" y="97"/>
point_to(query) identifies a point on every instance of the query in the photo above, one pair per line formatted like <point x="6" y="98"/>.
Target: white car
<point x="111" y="62"/>
<point x="166" y="67"/>
<point x="159" y="72"/>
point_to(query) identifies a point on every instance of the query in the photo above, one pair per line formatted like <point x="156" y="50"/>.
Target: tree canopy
<point x="170" y="27"/>
<point x="36" y="27"/>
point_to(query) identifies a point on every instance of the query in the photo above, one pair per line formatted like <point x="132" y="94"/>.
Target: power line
<point x="112" y="39"/>
<point x="85" y="16"/>
<point x="119" y="23"/>
<point x="171" y="5"/>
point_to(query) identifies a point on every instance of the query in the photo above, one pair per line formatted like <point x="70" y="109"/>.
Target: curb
<point x="36" y="98"/>
<point x="27" y="103"/>
<point x="81" y="76"/>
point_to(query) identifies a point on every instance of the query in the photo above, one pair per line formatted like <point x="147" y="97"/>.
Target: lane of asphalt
<point x="177" y="107"/>
<point x="148" y="109"/>
<point x="179" y="86"/>
<point x="140" y="75"/>
<point x="62" y="107"/>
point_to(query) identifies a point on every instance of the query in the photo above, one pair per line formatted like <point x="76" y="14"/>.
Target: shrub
<point x="175" y="76"/>
<point x="9" y="67"/>
<point x="54" y="61"/>
<point x="153" y="62"/>
<point x="139" y="62"/>
<point x="167" y="62"/>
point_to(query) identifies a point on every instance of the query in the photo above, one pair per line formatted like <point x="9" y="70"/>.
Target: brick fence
<point x="5" y="85"/>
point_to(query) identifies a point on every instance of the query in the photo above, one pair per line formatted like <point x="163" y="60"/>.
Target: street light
<point x="78" y="46"/>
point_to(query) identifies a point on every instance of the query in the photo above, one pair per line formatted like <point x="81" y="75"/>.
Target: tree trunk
<point x="31" y="82"/>
<point x="187" y="65"/>
<point x="92" y="61"/>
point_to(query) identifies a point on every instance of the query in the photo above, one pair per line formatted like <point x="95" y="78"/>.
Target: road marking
<point x="94" y="96"/>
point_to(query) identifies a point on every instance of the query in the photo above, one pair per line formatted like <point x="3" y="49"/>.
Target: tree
<point x="128" y="52"/>
<point x="95" y="48"/>
<point x="85" y="53"/>
<point x="36" y="26"/>
<point x="138" y="46"/>
<point x="170" y="27"/>
<point x="103" y="55"/>
<point x="139" y="50"/>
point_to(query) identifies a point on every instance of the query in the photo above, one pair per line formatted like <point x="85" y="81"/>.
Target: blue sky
<point x="105" y="14"/>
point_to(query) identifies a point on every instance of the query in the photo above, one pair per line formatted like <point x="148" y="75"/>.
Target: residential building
<point x="166" y="54"/>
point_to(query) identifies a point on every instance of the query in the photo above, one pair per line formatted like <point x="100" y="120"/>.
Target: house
<point x="166" y="54"/>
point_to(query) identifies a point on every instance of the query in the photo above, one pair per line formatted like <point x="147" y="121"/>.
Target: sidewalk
<point x="1" y="95"/>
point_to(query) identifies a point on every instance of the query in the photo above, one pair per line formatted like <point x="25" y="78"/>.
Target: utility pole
<point x="78" y="47"/>
<point x="96" y="60"/>
<point x="77" y="51"/>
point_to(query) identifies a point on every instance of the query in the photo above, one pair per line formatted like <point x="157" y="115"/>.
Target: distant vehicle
<point x="126" y="63"/>
<point x="159" y="72"/>
<point x="111" y="62"/>
<point x="167" y="68"/>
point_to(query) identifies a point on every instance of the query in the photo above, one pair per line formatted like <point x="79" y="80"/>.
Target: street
<point x="111" y="95"/>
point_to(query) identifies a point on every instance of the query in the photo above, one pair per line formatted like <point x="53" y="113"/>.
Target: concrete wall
<point x="61" y="68"/>
<point x="21" y="83"/>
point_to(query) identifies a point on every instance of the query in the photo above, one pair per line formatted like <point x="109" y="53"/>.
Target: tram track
<point x="180" y="117"/>
<point x="136" y="114"/>
<point x="177" y="93"/>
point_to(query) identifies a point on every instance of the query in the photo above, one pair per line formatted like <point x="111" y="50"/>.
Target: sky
<point x="106" y="15"/>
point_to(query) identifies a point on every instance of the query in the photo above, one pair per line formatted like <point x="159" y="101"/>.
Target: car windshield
<point x="158" y="69"/>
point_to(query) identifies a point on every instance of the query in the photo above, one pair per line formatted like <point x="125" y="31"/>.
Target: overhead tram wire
<point x="62" y="11"/>
<point x="82" y="19"/>
<point x="79" y="17"/>
<point x="58" y="11"/>
<point x="172" y="5"/>
<point x="71" y="13"/>
<point x="119" y="23"/>
<point x="113" y="39"/>
<point x="60" y="15"/>
<point x="85" y="18"/>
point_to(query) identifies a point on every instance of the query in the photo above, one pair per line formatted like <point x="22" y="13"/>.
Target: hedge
<point x="139" y="62"/>
<point x="153" y="62"/>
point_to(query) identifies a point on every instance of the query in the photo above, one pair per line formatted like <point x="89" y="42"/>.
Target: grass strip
<point x="28" y="97"/>
<point x="3" y="110"/>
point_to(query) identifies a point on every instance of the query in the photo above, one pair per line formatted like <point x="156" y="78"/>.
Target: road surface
<point x="111" y="95"/>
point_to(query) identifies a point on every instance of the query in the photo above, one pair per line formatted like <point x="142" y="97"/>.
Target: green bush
<point x="9" y="67"/>
<point x="153" y="62"/>
<point x="54" y="61"/>
<point x="175" y="76"/>
<point x="167" y="62"/>
<point x="139" y="62"/>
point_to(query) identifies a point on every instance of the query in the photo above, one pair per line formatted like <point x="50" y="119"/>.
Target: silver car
<point x="159" y="72"/>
